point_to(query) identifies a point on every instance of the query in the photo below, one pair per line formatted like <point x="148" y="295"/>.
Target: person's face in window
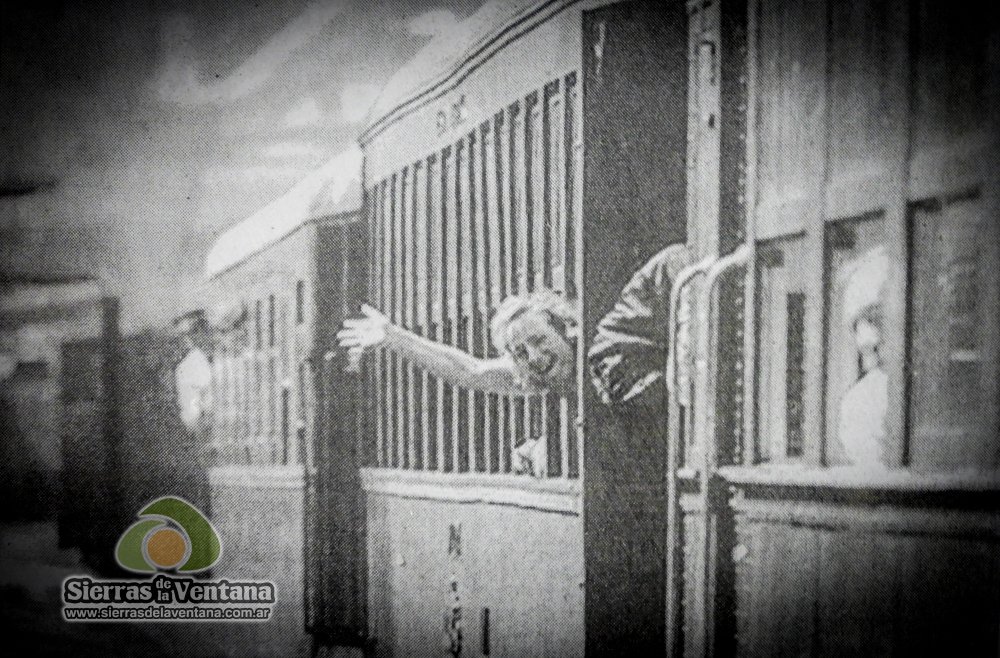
<point x="868" y="336"/>
<point x="540" y="350"/>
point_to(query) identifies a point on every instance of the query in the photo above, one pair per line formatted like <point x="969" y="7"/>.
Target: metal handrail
<point x="704" y="430"/>
<point x="681" y="281"/>
<point x="684" y="277"/>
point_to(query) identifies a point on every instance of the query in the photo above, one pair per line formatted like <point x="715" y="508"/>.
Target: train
<point x="560" y="144"/>
<point x="786" y="488"/>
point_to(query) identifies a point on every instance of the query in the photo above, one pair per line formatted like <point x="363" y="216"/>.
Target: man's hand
<point x="366" y="332"/>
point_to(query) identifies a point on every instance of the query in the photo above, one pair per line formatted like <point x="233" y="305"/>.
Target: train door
<point x="334" y="517"/>
<point x="635" y="91"/>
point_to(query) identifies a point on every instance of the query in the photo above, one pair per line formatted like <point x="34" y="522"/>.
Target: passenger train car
<point x="791" y="149"/>
<point x="277" y="287"/>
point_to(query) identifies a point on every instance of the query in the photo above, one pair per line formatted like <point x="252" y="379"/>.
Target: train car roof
<point x="444" y="54"/>
<point x="332" y="189"/>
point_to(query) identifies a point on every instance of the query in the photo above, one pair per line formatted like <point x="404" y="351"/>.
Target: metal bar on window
<point x="380" y="302"/>
<point x="449" y="297"/>
<point x="405" y="313"/>
<point x="392" y="411"/>
<point x="488" y="225"/>
<point x="467" y="210"/>
<point x="419" y="377"/>
<point x="574" y="252"/>
<point x="556" y="187"/>
<point x="519" y="271"/>
<point x="503" y="213"/>
<point x="435" y="316"/>
<point x="477" y="420"/>
<point x="535" y="193"/>
<point x="399" y="304"/>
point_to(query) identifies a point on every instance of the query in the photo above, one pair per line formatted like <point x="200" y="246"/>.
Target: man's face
<point x="540" y="351"/>
<point x="868" y="336"/>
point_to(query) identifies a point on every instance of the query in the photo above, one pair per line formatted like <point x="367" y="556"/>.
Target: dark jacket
<point x="629" y="350"/>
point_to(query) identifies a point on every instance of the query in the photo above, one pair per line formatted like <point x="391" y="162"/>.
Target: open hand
<point x="366" y="332"/>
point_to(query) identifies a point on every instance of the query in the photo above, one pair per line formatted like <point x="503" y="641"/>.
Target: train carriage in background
<point x="277" y="287"/>
<point x="560" y="144"/>
<point x="59" y="336"/>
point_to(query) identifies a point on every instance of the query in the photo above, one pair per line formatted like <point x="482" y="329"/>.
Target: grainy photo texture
<point x="466" y="328"/>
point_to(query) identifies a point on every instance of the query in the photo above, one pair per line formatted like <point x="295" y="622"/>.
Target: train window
<point x="300" y="301"/>
<point x="873" y="148"/>
<point x="856" y="383"/>
<point x="781" y="345"/>
<point x="501" y="195"/>
<point x="955" y="331"/>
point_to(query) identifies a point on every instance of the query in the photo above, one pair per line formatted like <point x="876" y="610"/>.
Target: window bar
<point x="519" y="268"/>
<point x="392" y="412"/>
<point x="370" y="388"/>
<point x="435" y="238"/>
<point x="398" y="285"/>
<point x="558" y="411"/>
<point x="551" y="122"/>
<point x="448" y="298"/>
<point x="407" y="279"/>
<point x="461" y="408"/>
<point x="381" y="278"/>
<point x="557" y="191"/>
<point x="478" y="218"/>
<point x="535" y="193"/>
<point x="382" y="303"/>
<point x="490" y="293"/>
<point x="574" y="251"/>
<point x="419" y="377"/>
<point x="372" y="379"/>
<point x="501" y="221"/>
<point x="272" y="435"/>
<point x="231" y="393"/>
<point x="247" y="399"/>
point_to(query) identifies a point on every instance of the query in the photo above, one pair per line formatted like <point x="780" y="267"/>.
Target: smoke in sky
<point x="132" y="134"/>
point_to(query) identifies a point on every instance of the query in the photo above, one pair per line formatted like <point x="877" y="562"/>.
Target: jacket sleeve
<point x="629" y="350"/>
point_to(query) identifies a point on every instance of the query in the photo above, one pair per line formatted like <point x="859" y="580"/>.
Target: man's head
<point x="863" y="301"/>
<point x="538" y="331"/>
<point x="192" y="327"/>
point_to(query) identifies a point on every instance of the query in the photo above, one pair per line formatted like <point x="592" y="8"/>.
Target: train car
<point x="823" y="475"/>
<point x="277" y="286"/>
<point x="60" y="336"/>
<point x="838" y="494"/>
<point x="538" y="145"/>
<point x="265" y="293"/>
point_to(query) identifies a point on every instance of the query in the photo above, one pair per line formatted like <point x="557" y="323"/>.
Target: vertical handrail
<point x="681" y="281"/>
<point x="705" y="430"/>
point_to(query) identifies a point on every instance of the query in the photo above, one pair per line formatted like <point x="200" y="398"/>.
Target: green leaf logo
<point x="171" y="534"/>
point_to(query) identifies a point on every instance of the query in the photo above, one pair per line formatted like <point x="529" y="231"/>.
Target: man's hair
<point x="560" y="312"/>
<point x="191" y="323"/>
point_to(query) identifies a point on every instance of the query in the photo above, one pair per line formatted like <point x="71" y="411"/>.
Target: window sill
<point x="850" y="478"/>
<point x="549" y="495"/>
<point x="257" y="476"/>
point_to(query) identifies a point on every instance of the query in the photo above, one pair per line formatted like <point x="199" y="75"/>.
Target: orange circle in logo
<point x="166" y="548"/>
